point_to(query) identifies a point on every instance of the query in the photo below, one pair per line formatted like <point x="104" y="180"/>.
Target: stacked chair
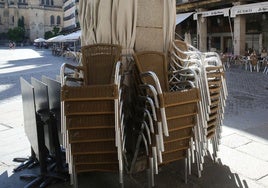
<point x="173" y="111"/>
<point x="207" y="72"/>
<point x="92" y="115"/>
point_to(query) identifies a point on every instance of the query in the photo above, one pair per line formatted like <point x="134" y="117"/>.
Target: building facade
<point x="70" y="17"/>
<point x="225" y="26"/>
<point x="39" y="16"/>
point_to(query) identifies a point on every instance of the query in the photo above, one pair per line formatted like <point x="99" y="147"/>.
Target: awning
<point x="217" y="12"/>
<point x="39" y="40"/>
<point x="181" y="17"/>
<point x="249" y="8"/>
<point x="55" y="39"/>
<point x="72" y="36"/>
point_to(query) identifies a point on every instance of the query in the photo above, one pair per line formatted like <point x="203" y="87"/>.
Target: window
<point x="52" y="20"/>
<point x="58" y="20"/>
<point x="47" y="2"/>
<point x="52" y="2"/>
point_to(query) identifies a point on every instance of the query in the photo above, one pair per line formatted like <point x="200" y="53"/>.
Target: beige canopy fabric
<point x="109" y="21"/>
<point x="169" y="23"/>
<point x="114" y="21"/>
<point x="104" y="21"/>
<point x="125" y="26"/>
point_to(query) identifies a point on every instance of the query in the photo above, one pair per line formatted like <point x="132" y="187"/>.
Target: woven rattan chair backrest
<point x="98" y="61"/>
<point x="155" y="62"/>
<point x="183" y="47"/>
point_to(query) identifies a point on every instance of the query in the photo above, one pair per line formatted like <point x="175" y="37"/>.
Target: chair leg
<point x="151" y="173"/>
<point x="132" y="167"/>
<point x="198" y="164"/>
<point x="189" y="156"/>
<point x="155" y="159"/>
<point x="265" y="70"/>
<point x="214" y="149"/>
<point x="75" y="180"/>
<point x="121" y="178"/>
<point x="186" y="170"/>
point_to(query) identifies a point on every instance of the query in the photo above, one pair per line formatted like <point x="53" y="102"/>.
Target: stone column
<point x="202" y="33"/>
<point x="149" y="33"/>
<point x="222" y="44"/>
<point x="239" y="35"/>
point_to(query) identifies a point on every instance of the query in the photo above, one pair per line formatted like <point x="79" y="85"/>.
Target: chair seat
<point x="214" y="74"/>
<point x="213" y="68"/>
<point x="184" y="122"/>
<point x="173" y="156"/>
<point x="103" y="158"/>
<point x="89" y="92"/>
<point x="179" y="134"/>
<point x="179" y="97"/>
<point x="90" y="107"/>
<point x="179" y="144"/>
<point x="96" y="168"/>
<point x="177" y="112"/>
<point x="88" y="147"/>
<point x="92" y="134"/>
<point x="215" y="82"/>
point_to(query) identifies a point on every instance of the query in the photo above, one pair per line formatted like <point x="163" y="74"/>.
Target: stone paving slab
<point x="226" y="131"/>
<point x="244" y="182"/>
<point x="259" y="133"/>
<point x="256" y="150"/>
<point x="263" y="181"/>
<point x="242" y="163"/>
<point x="246" y="118"/>
<point x="234" y="141"/>
<point x="13" y="144"/>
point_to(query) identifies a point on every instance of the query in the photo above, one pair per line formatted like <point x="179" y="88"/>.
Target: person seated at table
<point x="263" y="53"/>
<point x="263" y="57"/>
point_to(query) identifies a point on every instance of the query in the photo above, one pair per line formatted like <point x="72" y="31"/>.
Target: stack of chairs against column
<point x="92" y="115"/>
<point x="207" y="72"/>
<point x="173" y="106"/>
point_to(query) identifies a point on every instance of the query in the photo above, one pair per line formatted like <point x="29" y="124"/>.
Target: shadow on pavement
<point x="42" y="62"/>
<point x="171" y="176"/>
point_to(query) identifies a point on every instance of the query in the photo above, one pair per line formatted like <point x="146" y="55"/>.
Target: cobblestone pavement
<point x="243" y="156"/>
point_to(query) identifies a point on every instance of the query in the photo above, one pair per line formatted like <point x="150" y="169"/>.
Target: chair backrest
<point x="183" y="47"/>
<point x="155" y="62"/>
<point x="98" y="61"/>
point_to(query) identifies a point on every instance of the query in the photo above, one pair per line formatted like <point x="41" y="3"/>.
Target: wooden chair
<point x="93" y="114"/>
